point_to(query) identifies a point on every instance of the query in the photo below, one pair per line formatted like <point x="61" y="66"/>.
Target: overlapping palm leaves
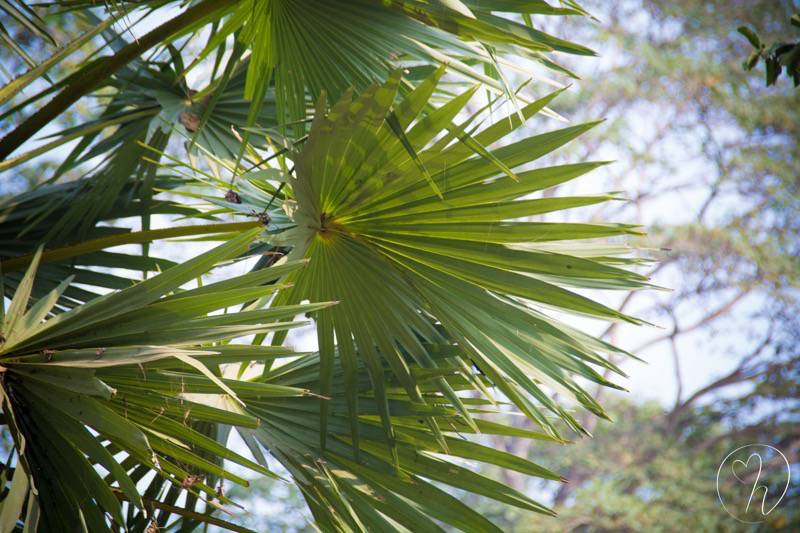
<point x="416" y="223"/>
<point x="357" y="487"/>
<point x="136" y="373"/>
<point x="413" y="227"/>
<point x="326" y="45"/>
<point x="117" y="376"/>
<point x="151" y="101"/>
<point x="76" y="245"/>
<point x="306" y="47"/>
<point x="156" y="98"/>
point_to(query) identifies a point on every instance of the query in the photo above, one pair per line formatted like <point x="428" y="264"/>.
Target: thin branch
<point x="702" y="322"/>
<point x="676" y="360"/>
<point x="742" y="372"/>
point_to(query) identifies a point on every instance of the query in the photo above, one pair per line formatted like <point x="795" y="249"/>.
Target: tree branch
<point x="702" y="322"/>
<point x="742" y="372"/>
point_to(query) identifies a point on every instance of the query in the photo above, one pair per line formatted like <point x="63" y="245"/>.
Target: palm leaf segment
<point x="327" y="45"/>
<point x="413" y="271"/>
<point x="119" y="375"/>
<point x="157" y="100"/>
<point x="359" y="487"/>
<point x="26" y="220"/>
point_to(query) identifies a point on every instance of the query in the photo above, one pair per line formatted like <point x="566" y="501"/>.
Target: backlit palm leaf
<point x="157" y="100"/>
<point x="26" y="221"/>
<point x="411" y="268"/>
<point x="357" y="488"/>
<point x="327" y="45"/>
<point x="412" y="223"/>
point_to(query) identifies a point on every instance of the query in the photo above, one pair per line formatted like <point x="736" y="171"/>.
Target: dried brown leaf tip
<point x="233" y="197"/>
<point x="189" y="481"/>
<point x="190" y="121"/>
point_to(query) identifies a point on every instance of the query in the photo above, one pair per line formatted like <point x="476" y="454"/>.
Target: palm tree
<point x="354" y="154"/>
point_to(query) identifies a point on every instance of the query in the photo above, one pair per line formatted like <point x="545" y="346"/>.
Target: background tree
<point x="690" y="128"/>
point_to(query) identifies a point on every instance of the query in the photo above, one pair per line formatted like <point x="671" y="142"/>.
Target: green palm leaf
<point x="357" y="487"/>
<point x="26" y="221"/>
<point x="324" y="45"/>
<point x="118" y="374"/>
<point x="410" y="268"/>
<point x="415" y="226"/>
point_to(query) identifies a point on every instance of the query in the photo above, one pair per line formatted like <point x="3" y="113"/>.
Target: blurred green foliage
<point x="778" y="56"/>
<point x="634" y="475"/>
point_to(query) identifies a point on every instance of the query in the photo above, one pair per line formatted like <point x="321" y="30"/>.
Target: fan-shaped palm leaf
<point x="421" y="226"/>
<point x="325" y="45"/>
<point x="411" y="268"/>
<point x="117" y="376"/>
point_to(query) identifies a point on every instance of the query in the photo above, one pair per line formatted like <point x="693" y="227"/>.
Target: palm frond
<point x="116" y="376"/>
<point x="410" y="268"/>
<point x="422" y="233"/>
<point x="356" y="485"/>
<point x="324" y="45"/>
<point x="26" y="222"/>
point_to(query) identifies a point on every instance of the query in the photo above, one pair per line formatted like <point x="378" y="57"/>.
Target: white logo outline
<point x="756" y="486"/>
